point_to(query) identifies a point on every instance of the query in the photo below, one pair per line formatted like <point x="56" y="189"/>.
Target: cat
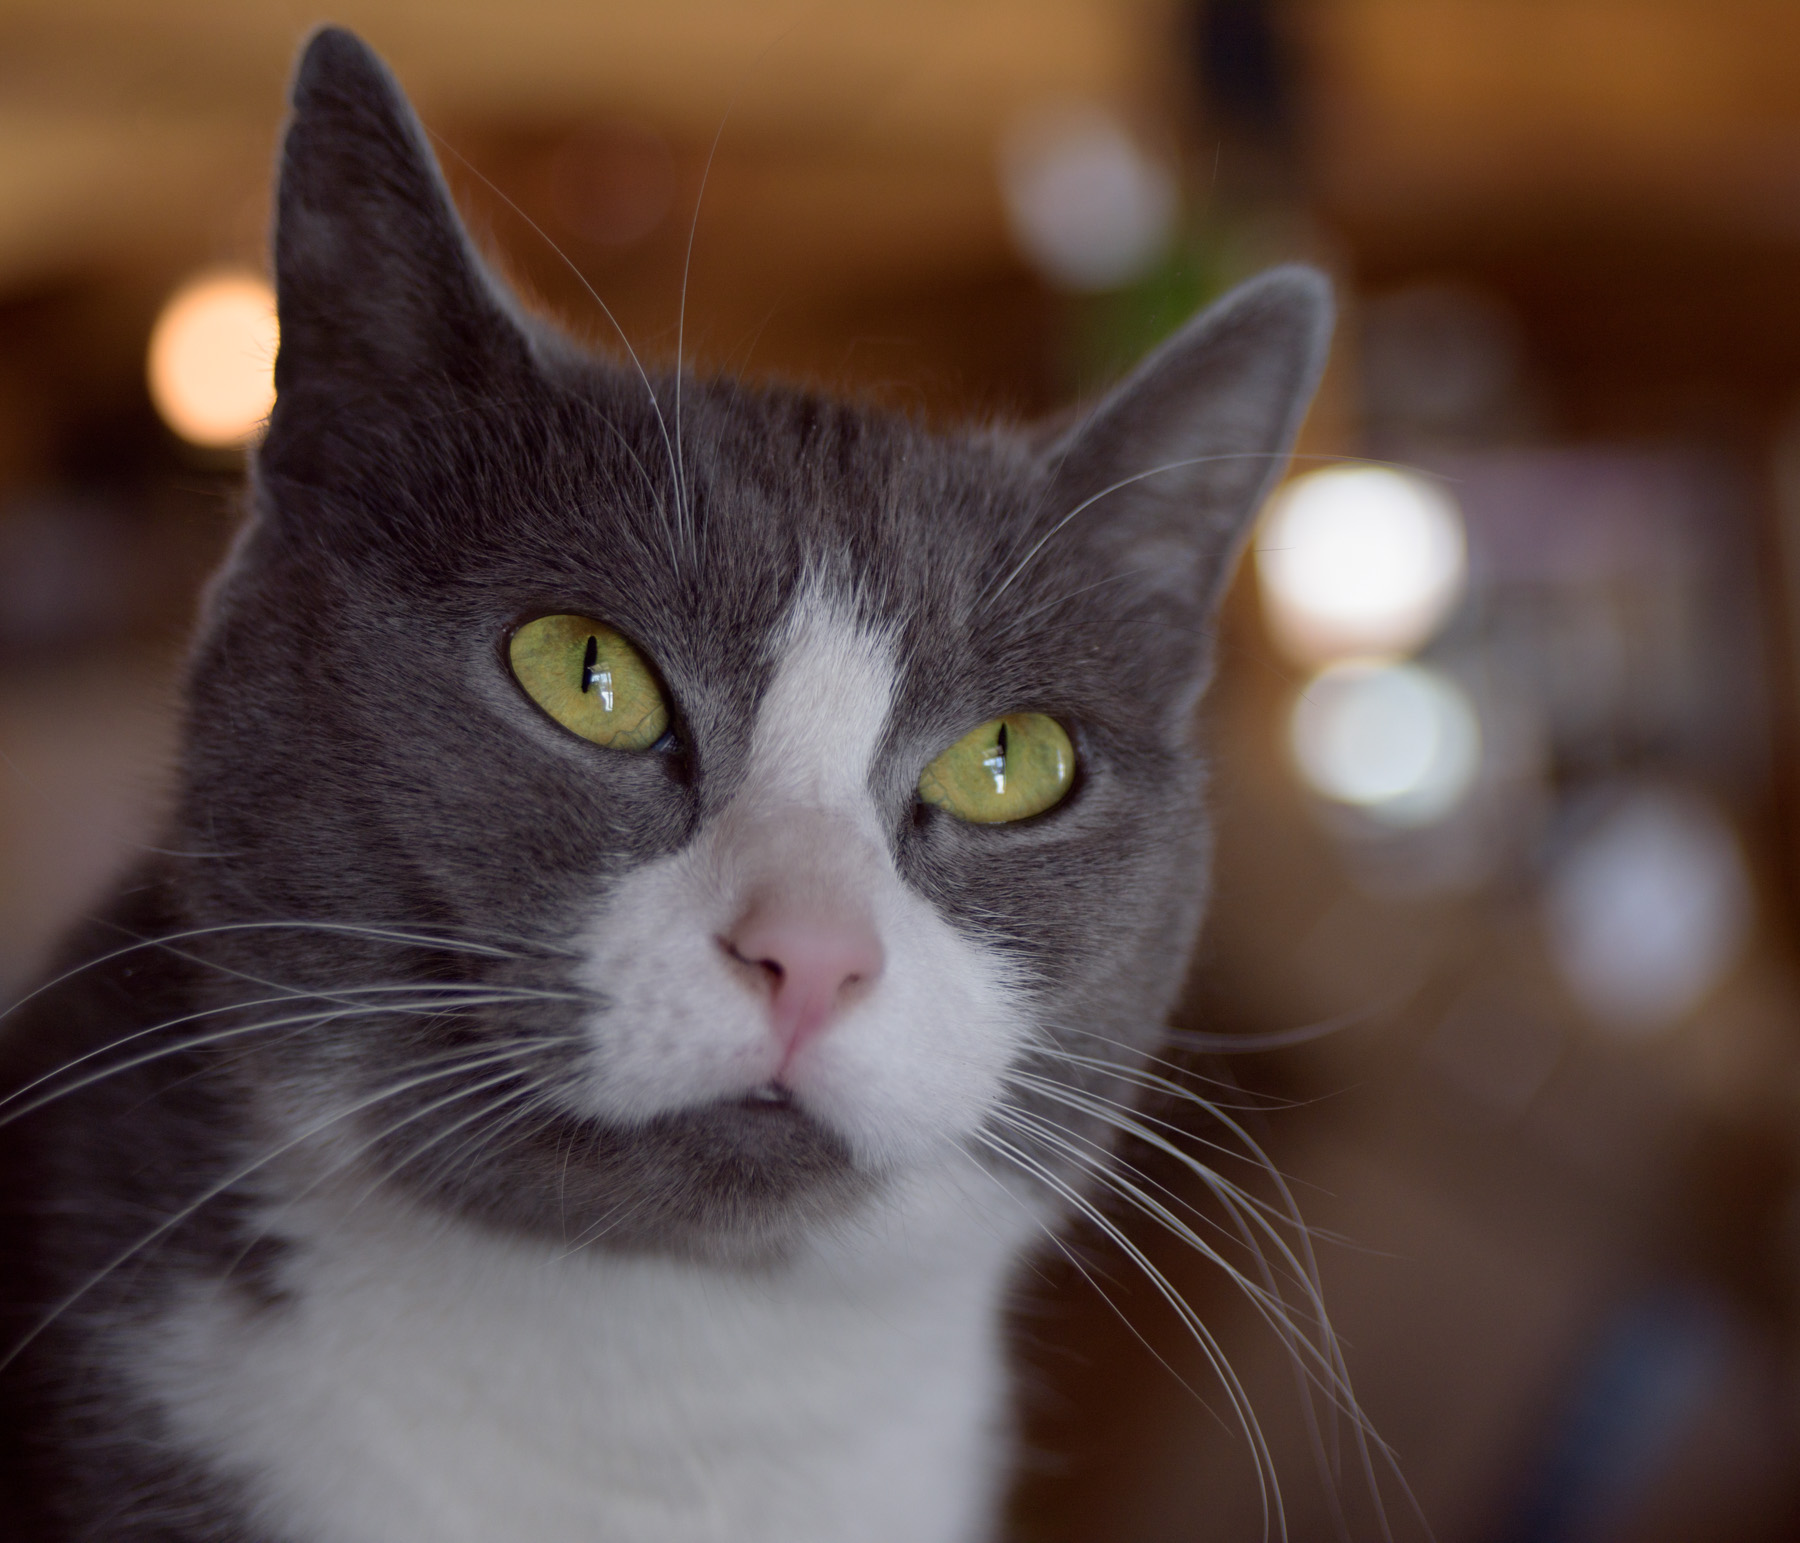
<point x="673" y="889"/>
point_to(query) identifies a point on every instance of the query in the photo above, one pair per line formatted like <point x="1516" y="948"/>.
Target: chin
<point x="743" y="1181"/>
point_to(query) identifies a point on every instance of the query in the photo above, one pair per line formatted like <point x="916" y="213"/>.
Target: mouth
<point x="771" y="1097"/>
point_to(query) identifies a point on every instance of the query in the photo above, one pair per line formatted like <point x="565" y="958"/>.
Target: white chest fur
<point x="432" y="1384"/>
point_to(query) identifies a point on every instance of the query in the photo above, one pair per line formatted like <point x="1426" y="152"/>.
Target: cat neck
<point x="441" y="1382"/>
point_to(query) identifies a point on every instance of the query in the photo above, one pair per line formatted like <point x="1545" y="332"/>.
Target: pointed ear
<point x="1170" y="469"/>
<point x="376" y="283"/>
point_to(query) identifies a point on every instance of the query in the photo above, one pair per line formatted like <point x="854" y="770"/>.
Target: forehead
<point x="824" y="716"/>
<point x="763" y="483"/>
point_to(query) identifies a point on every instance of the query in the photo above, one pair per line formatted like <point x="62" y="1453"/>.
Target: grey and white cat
<point x="484" y="1123"/>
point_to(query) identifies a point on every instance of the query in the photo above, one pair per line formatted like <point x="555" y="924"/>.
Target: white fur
<point x="434" y="1382"/>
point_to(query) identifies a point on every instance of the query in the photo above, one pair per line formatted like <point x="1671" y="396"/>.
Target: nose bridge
<point x="806" y="852"/>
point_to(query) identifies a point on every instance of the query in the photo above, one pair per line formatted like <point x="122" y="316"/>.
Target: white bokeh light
<point x="212" y="358"/>
<point x="1646" y="912"/>
<point x="1399" y="741"/>
<point x="1087" y="206"/>
<point x="1359" y="560"/>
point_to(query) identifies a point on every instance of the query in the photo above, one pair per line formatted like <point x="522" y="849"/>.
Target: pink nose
<point x="815" y="962"/>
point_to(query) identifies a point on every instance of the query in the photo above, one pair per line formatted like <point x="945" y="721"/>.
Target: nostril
<point x="771" y="970"/>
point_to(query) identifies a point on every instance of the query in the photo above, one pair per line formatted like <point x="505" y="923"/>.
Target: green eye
<point x="1008" y="769"/>
<point x="591" y="681"/>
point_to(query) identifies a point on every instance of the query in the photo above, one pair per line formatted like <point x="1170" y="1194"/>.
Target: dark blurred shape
<point x="1244" y="70"/>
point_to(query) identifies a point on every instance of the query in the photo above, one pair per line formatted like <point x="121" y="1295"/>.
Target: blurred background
<point x="1507" y="729"/>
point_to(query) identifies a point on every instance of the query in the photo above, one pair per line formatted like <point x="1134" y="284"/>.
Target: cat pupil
<point x="593" y="678"/>
<point x="995" y="761"/>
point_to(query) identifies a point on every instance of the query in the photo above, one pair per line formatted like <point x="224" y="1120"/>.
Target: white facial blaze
<point x="910" y="1066"/>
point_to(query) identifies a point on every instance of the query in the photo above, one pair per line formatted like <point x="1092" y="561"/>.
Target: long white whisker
<point x="1136" y="1076"/>
<point x="683" y="504"/>
<point x="387" y="1132"/>
<point x="1263" y="1297"/>
<point x="1062" y="1246"/>
<point x="189" y="934"/>
<point x="198" y="1041"/>
<point x="1267" y="1479"/>
<point x="1096" y="1159"/>
<point x="335" y="994"/>
<point x="224" y="1186"/>
<point x="1334" y="1378"/>
<point x="1317" y="1368"/>
<point x="1248" y="1208"/>
<point x="529" y="1104"/>
<point x="1262" y="1221"/>
<point x="1123" y="1117"/>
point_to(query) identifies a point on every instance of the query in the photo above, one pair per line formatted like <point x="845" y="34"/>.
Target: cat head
<point x="694" y="804"/>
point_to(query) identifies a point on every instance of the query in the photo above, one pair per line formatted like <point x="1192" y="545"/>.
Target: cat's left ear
<point x="1169" y="470"/>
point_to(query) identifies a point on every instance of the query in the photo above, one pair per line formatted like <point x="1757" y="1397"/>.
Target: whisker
<point x="1242" y="1204"/>
<point x="1267" y="1480"/>
<point x="189" y="934"/>
<point x="1200" y="1043"/>
<point x="525" y="1106"/>
<point x="223" y="1187"/>
<point x="1063" y="1247"/>
<point x="683" y="504"/>
<point x="1332" y="1378"/>
<point x="1163" y="1085"/>
<point x="231" y="1266"/>
<point x="1097" y="1159"/>
<point x="1249" y="1230"/>
<point x="1112" y="1112"/>
<point x="1015" y="622"/>
<point x="1264" y="1297"/>
<point x="1318" y="1369"/>
<point x="198" y="1041"/>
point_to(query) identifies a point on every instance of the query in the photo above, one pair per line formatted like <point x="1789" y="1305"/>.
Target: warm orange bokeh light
<point x="212" y="358"/>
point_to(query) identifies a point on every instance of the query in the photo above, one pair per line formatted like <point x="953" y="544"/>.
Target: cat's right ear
<point x="376" y="284"/>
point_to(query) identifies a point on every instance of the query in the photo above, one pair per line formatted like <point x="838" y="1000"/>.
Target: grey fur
<point x="438" y="468"/>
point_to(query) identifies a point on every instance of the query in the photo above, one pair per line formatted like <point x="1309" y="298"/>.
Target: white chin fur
<point x="914" y="1064"/>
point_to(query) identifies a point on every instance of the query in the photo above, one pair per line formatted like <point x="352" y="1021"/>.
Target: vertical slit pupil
<point x="995" y="761"/>
<point x="588" y="660"/>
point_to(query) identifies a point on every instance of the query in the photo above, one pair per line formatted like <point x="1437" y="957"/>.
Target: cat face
<point x="732" y="974"/>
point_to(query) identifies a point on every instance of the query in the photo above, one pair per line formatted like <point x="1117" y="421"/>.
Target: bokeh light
<point x="1087" y="206"/>
<point x="1399" y="741"/>
<point x="1647" y="910"/>
<point x="1359" y="560"/>
<point x="212" y="358"/>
